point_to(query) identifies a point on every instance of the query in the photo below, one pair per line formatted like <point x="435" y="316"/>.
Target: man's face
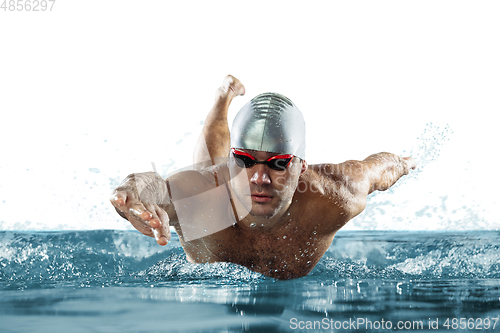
<point x="262" y="190"/>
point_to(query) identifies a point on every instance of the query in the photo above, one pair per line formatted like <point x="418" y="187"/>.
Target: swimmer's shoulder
<point x="323" y="174"/>
<point x="336" y="180"/>
<point x="340" y="183"/>
<point x="344" y="174"/>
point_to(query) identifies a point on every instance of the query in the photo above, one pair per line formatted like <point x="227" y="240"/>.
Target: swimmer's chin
<point x="269" y="214"/>
<point x="265" y="216"/>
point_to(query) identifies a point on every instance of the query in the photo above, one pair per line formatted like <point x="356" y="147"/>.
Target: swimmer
<point x="252" y="199"/>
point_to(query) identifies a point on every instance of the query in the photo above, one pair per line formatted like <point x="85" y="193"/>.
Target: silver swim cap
<point x="270" y="122"/>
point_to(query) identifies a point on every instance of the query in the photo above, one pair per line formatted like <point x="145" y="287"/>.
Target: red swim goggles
<point x="245" y="160"/>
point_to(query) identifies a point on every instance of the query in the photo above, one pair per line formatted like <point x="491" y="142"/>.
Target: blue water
<point x="121" y="281"/>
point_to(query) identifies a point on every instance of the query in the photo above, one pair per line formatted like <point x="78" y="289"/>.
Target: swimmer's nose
<point x="260" y="175"/>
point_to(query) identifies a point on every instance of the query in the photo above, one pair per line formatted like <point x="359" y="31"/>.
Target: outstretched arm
<point x="380" y="171"/>
<point x="355" y="180"/>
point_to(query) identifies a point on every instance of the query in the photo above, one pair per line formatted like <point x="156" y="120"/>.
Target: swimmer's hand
<point x="410" y="162"/>
<point x="142" y="207"/>
<point x="231" y="87"/>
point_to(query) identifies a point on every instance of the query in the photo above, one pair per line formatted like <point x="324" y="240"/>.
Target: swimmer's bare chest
<point x="289" y="251"/>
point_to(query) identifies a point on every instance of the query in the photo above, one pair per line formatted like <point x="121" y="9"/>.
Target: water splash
<point x="417" y="196"/>
<point x="28" y="260"/>
<point x="426" y="150"/>
<point x="428" y="146"/>
<point x="112" y="258"/>
<point x="176" y="268"/>
<point x="413" y="255"/>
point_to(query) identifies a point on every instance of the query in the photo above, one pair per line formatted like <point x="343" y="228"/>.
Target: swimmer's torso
<point x="290" y="249"/>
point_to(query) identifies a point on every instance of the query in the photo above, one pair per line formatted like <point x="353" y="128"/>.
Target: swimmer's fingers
<point x="123" y="199"/>
<point x="412" y="164"/>
<point x="141" y="218"/>
<point x="165" y="224"/>
<point x="140" y="211"/>
<point x="231" y="87"/>
<point x="159" y="224"/>
<point x="126" y="194"/>
<point x="141" y="226"/>
<point x="147" y="218"/>
<point x="119" y="199"/>
<point x="122" y="203"/>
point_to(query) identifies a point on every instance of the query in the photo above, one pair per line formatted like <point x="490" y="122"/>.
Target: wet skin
<point x="287" y="232"/>
<point x="278" y="223"/>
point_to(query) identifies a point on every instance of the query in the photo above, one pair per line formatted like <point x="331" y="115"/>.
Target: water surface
<point x="121" y="281"/>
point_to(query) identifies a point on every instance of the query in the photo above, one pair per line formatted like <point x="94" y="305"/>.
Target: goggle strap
<point x="288" y="157"/>
<point x="239" y="152"/>
<point x="285" y="156"/>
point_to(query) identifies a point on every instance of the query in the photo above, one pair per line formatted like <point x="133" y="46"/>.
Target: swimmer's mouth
<point x="261" y="198"/>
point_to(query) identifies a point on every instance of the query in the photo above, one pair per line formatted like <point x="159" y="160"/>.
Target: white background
<point x="94" y="90"/>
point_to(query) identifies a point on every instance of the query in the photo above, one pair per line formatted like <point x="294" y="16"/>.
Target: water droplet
<point x="314" y="232"/>
<point x="253" y="225"/>
<point x="284" y="237"/>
